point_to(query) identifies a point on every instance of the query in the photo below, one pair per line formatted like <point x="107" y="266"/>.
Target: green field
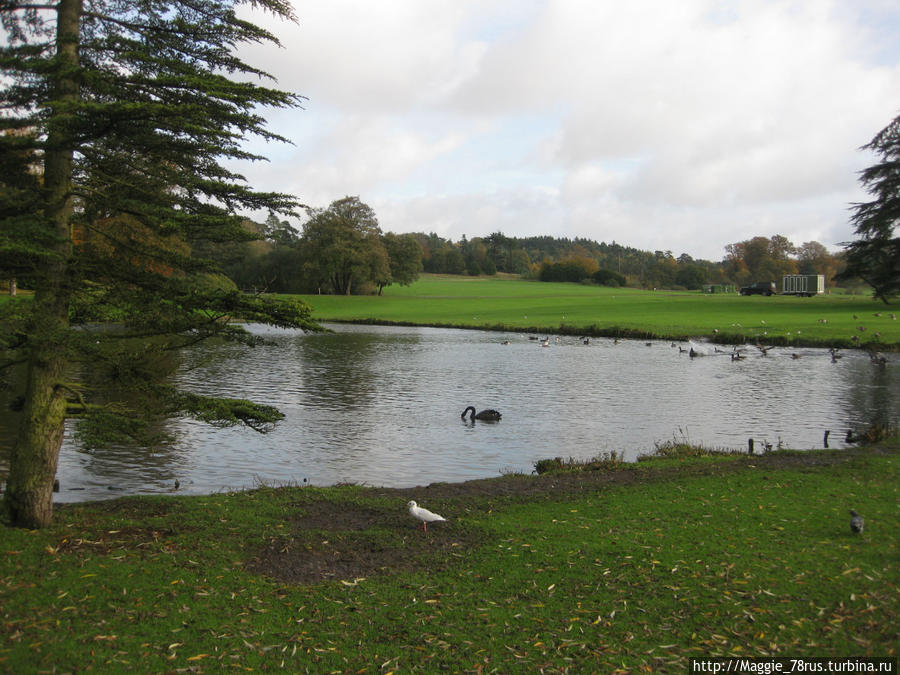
<point x="509" y="303"/>
<point x="513" y="304"/>
<point x="630" y="570"/>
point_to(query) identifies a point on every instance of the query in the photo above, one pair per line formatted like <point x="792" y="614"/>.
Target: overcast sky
<point x="680" y="125"/>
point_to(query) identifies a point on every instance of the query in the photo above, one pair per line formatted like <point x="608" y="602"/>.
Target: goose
<point x="878" y="359"/>
<point x="489" y="415"/>
<point x="424" y="515"/>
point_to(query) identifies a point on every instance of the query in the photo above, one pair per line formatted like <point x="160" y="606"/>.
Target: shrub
<point x="608" y="278"/>
<point x="605" y="461"/>
<point x="675" y="449"/>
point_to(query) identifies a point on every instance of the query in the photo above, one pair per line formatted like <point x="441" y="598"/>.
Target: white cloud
<point x="678" y="126"/>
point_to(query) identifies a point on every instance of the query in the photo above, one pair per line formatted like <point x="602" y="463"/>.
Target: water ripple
<point x="381" y="406"/>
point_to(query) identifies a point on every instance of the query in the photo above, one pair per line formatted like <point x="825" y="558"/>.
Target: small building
<point x="803" y="284"/>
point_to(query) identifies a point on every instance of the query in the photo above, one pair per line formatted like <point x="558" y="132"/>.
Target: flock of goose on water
<point x="738" y="352"/>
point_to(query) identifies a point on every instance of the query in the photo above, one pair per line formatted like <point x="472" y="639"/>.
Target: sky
<point x="663" y="125"/>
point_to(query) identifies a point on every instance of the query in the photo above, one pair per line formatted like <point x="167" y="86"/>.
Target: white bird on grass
<point x="424" y="515"/>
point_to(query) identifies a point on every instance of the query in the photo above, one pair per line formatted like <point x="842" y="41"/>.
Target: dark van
<point x="759" y="288"/>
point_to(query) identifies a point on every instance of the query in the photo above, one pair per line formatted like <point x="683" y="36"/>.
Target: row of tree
<point x="342" y="250"/>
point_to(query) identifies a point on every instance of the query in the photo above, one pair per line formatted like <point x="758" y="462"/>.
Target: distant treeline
<point x="343" y="250"/>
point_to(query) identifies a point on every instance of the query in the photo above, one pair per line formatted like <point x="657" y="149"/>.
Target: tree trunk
<point x="12" y="287"/>
<point x="32" y="466"/>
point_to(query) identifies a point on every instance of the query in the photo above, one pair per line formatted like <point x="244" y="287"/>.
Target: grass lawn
<point x="509" y="303"/>
<point x="513" y="304"/>
<point x="633" y="569"/>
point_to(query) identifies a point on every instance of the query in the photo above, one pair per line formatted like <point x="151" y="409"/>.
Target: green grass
<point x="512" y="304"/>
<point x="700" y="557"/>
<point x="509" y="303"/>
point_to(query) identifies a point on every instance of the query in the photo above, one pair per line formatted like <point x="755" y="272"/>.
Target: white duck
<point x="424" y="515"/>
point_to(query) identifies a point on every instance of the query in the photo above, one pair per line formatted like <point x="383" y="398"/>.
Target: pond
<point x="381" y="406"/>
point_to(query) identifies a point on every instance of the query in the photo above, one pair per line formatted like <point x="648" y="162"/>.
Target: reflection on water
<point x="382" y="405"/>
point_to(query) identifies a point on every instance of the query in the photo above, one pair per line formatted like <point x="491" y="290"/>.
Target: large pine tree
<point x="875" y="256"/>
<point x="125" y="111"/>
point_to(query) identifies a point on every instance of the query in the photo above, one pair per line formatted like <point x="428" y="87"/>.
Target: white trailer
<point x="803" y="284"/>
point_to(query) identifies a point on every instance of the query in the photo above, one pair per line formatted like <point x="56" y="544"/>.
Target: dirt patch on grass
<point x="346" y="541"/>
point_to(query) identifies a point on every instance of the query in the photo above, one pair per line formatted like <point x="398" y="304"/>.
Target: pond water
<point x="382" y="405"/>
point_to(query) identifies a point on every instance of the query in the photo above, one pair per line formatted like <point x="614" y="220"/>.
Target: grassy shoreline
<point x="509" y="304"/>
<point x="520" y="306"/>
<point x="634" y="569"/>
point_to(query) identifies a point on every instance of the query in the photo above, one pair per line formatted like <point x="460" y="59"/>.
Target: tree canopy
<point x="405" y="259"/>
<point x="875" y="256"/>
<point x="760" y="259"/>
<point x="116" y="120"/>
<point x="342" y="247"/>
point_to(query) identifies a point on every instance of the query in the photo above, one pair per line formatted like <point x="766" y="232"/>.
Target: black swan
<point x="488" y="415"/>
